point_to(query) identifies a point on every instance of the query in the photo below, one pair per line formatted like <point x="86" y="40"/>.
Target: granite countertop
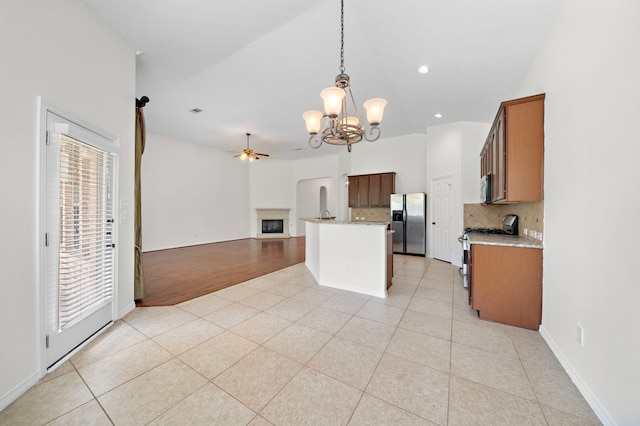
<point x="504" y="240"/>
<point x="341" y="222"/>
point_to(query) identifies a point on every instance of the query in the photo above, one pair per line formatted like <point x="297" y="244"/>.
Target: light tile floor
<point x="282" y="350"/>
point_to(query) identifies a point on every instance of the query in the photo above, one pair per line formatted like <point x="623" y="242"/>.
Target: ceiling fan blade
<point x="237" y="155"/>
<point x="264" y="155"/>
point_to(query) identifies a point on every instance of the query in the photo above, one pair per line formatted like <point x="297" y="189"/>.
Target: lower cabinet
<point x="506" y="284"/>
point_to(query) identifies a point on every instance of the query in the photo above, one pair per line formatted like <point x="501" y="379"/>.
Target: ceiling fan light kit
<point x="248" y="153"/>
<point x="340" y="128"/>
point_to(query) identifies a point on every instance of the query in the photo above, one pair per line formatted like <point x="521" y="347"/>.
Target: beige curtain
<point x="138" y="289"/>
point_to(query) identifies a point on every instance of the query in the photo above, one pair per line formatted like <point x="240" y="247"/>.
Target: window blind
<point x="86" y="258"/>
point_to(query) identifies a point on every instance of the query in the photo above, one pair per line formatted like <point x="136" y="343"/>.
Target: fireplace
<point x="272" y="226"/>
<point x="272" y="223"/>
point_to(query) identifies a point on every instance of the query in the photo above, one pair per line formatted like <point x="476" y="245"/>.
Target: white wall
<point x="453" y="150"/>
<point x="191" y="194"/>
<point x="271" y="186"/>
<point x="473" y="138"/>
<point x="87" y="71"/>
<point x="308" y="199"/>
<point x="444" y="154"/>
<point x="589" y="67"/>
<point x="323" y="167"/>
<point x="404" y="155"/>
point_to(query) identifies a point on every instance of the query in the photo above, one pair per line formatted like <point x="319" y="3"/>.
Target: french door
<point x="79" y="235"/>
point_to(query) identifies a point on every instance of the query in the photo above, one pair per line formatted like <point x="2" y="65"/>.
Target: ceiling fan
<point x="248" y="154"/>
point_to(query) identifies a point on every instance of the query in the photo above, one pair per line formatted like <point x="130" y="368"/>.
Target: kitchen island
<point x="351" y="256"/>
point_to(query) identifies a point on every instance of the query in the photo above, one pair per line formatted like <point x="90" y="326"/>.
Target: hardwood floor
<point x="175" y="275"/>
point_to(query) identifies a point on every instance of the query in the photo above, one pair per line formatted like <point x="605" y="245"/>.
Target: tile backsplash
<point x="371" y="214"/>
<point x="530" y="215"/>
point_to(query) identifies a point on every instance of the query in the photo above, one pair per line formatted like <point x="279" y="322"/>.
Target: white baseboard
<point x="130" y="307"/>
<point x="34" y="378"/>
<point x="17" y="391"/>
<point x="584" y="389"/>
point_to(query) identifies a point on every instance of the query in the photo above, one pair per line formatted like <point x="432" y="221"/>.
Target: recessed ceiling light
<point x="195" y="110"/>
<point x="438" y="115"/>
<point x="423" y="69"/>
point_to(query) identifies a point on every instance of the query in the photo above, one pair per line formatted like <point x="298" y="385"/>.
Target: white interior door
<point x="442" y="217"/>
<point x="79" y="240"/>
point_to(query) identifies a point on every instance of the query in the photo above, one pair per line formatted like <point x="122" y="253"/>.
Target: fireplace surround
<point x="272" y="223"/>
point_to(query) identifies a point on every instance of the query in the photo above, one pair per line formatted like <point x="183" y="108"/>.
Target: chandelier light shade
<point x="313" y="120"/>
<point x="375" y="110"/>
<point x="340" y="123"/>
<point x="332" y="98"/>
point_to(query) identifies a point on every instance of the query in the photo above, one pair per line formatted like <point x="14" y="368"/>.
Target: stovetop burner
<point x="497" y="231"/>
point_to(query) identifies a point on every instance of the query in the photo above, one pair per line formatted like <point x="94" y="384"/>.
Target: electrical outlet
<point x="540" y="236"/>
<point x="580" y="335"/>
<point x="526" y="232"/>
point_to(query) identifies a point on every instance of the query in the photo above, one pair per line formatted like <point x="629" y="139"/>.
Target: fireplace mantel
<point x="273" y="214"/>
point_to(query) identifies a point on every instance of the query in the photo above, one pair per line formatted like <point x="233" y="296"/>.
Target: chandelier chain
<point x="342" y="36"/>
<point x="340" y="128"/>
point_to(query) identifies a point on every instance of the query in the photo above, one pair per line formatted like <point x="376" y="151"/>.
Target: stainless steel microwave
<point x="485" y="188"/>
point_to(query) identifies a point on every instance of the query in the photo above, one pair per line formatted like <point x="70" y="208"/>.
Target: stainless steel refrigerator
<point x="409" y="221"/>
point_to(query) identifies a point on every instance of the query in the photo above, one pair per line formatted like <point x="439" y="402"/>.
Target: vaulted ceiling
<point x="256" y="66"/>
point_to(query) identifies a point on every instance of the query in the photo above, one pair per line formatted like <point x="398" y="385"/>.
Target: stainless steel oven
<point x="466" y="252"/>
<point x="509" y="227"/>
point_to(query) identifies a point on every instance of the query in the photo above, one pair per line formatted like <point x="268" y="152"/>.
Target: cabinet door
<point x="500" y="167"/>
<point x="470" y="275"/>
<point x="363" y="191"/>
<point x="484" y="158"/>
<point x="353" y="191"/>
<point x="495" y="170"/>
<point x="524" y="149"/>
<point x="374" y="191"/>
<point x="387" y="187"/>
<point x="507" y="284"/>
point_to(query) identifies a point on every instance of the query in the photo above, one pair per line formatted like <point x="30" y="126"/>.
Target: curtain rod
<point x="140" y="103"/>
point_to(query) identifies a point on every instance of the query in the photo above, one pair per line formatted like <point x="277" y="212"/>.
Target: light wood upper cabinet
<point x="514" y="151"/>
<point x="353" y="191"/>
<point x="387" y="187"/>
<point x="363" y="191"/>
<point x="373" y="190"/>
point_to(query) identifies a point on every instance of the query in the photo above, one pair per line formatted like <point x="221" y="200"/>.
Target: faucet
<point x="322" y="212"/>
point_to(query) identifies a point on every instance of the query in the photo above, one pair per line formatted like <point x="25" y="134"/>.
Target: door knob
<point x="433" y="223"/>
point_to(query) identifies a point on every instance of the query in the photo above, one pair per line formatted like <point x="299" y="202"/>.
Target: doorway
<point x="79" y="240"/>
<point x="313" y="195"/>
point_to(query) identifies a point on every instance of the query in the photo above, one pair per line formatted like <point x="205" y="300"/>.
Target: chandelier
<point x="340" y="128"/>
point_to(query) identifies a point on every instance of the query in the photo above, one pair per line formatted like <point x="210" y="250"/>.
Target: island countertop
<point x="341" y="222"/>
